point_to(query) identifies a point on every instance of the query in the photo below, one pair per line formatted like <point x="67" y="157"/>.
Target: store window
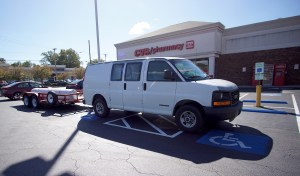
<point x="202" y="64"/>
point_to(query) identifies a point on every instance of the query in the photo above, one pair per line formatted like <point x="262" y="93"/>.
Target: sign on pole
<point x="259" y="70"/>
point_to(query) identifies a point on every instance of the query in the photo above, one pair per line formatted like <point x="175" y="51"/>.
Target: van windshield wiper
<point x="196" y="78"/>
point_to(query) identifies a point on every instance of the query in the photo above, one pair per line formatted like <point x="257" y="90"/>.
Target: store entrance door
<point x="268" y="75"/>
<point x="279" y="76"/>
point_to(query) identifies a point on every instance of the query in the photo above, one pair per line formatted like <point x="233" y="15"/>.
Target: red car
<point x="16" y="90"/>
<point x="77" y="85"/>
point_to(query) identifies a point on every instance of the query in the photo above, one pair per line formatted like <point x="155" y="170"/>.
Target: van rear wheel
<point x="189" y="118"/>
<point x="100" y="108"/>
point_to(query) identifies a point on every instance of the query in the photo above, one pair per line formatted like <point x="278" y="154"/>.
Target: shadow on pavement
<point x="37" y="166"/>
<point x="59" y="110"/>
<point x="183" y="146"/>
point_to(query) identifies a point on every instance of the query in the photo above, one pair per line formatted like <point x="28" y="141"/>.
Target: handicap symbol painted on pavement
<point x="255" y="144"/>
<point x="226" y="140"/>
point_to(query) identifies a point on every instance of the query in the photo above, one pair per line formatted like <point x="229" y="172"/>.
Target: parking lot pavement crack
<point x="76" y="167"/>
<point x="136" y="169"/>
<point x="89" y="148"/>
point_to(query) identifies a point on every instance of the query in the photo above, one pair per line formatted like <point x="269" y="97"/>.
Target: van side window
<point x="116" y="72"/>
<point x="133" y="71"/>
<point x="156" y="70"/>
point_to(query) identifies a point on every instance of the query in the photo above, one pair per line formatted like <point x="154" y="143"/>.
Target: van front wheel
<point x="100" y="108"/>
<point x="189" y="118"/>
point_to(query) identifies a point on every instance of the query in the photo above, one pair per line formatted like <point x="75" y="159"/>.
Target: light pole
<point x="90" y="52"/>
<point x="97" y="30"/>
<point x="54" y="63"/>
<point x="105" y="57"/>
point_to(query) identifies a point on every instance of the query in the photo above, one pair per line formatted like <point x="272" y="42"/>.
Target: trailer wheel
<point x="35" y="102"/>
<point x="100" y="108"/>
<point x="189" y="118"/>
<point x="51" y="98"/>
<point x="26" y="101"/>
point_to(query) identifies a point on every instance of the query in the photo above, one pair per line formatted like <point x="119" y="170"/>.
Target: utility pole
<point x="54" y="63"/>
<point x="105" y="57"/>
<point x="90" y="52"/>
<point x="97" y="31"/>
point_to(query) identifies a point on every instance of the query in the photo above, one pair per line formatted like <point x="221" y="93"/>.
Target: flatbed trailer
<point x="51" y="96"/>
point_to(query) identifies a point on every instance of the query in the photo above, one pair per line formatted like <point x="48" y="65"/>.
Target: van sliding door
<point x="116" y="86"/>
<point x="132" y="87"/>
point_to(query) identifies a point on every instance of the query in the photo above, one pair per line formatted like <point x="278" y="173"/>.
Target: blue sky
<point x="31" y="27"/>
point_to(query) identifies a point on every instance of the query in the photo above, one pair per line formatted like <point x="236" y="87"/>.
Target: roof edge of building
<point x="266" y="25"/>
<point x="216" y="25"/>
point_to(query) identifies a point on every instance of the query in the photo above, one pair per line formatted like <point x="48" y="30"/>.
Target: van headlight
<point x="221" y="99"/>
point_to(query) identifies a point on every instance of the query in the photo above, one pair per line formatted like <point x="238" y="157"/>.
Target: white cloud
<point x="139" y="28"/>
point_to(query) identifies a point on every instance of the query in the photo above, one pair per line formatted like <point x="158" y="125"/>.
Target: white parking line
<point x="167" y="120"/>
<point x="125" y="122"/>
<point x="153" y="126"/>
<point x="159" y="131"/>
<point x="296" y="111"/>
<point x="244" y="96"/>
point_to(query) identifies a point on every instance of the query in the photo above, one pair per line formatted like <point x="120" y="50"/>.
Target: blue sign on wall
<point x="259" y="70"/>
<point x="236" y="141"/>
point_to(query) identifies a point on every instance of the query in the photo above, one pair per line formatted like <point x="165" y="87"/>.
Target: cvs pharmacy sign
<point x="157" y="49"/>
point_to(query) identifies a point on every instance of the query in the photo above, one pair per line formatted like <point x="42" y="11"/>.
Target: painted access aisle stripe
<point x="264" y="111"/>
<point x="266" y="101"/>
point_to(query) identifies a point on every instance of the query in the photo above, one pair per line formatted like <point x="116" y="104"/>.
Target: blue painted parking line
<point x="254" y="144"/>
<point x="89" y="116"/>
<point x="264" y="111"/>
<point x="266" y="101"/>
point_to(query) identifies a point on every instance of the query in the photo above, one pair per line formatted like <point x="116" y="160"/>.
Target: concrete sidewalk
<point x="269" y="88"/>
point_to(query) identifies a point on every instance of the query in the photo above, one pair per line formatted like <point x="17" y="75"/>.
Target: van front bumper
<point x="223" y="113"/>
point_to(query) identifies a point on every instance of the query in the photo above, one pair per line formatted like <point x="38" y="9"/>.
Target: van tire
<point x="100" y="108"/>
<point x="189" y="118"/>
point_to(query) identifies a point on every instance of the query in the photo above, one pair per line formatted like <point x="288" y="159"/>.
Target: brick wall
<point x="229" y="66"/>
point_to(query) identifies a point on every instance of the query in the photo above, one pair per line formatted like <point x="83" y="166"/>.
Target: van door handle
<point x="124" y="86"/>
<point x="145" y="86"/>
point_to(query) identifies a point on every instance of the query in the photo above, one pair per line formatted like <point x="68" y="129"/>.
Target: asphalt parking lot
<point x="71" y="140"/>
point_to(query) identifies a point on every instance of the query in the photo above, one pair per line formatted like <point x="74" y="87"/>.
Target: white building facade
<point x="227" y="53"/>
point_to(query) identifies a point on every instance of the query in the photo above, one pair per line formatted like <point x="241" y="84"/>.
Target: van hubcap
<point x="188" y="119"/>
<point x="99" y="108"/>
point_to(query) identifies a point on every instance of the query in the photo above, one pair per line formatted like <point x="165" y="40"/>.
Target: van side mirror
<point x="168" y="75"/>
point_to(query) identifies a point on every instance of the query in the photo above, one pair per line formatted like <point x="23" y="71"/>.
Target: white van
<point x="165" y="86"/>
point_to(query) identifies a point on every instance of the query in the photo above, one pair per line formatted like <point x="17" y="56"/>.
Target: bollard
<point x="258" y="94"/>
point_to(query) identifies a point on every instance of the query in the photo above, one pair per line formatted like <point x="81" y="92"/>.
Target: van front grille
<point x="235" y="96"/>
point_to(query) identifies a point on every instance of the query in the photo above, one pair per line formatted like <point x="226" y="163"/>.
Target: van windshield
<point x="189" y="70"/>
